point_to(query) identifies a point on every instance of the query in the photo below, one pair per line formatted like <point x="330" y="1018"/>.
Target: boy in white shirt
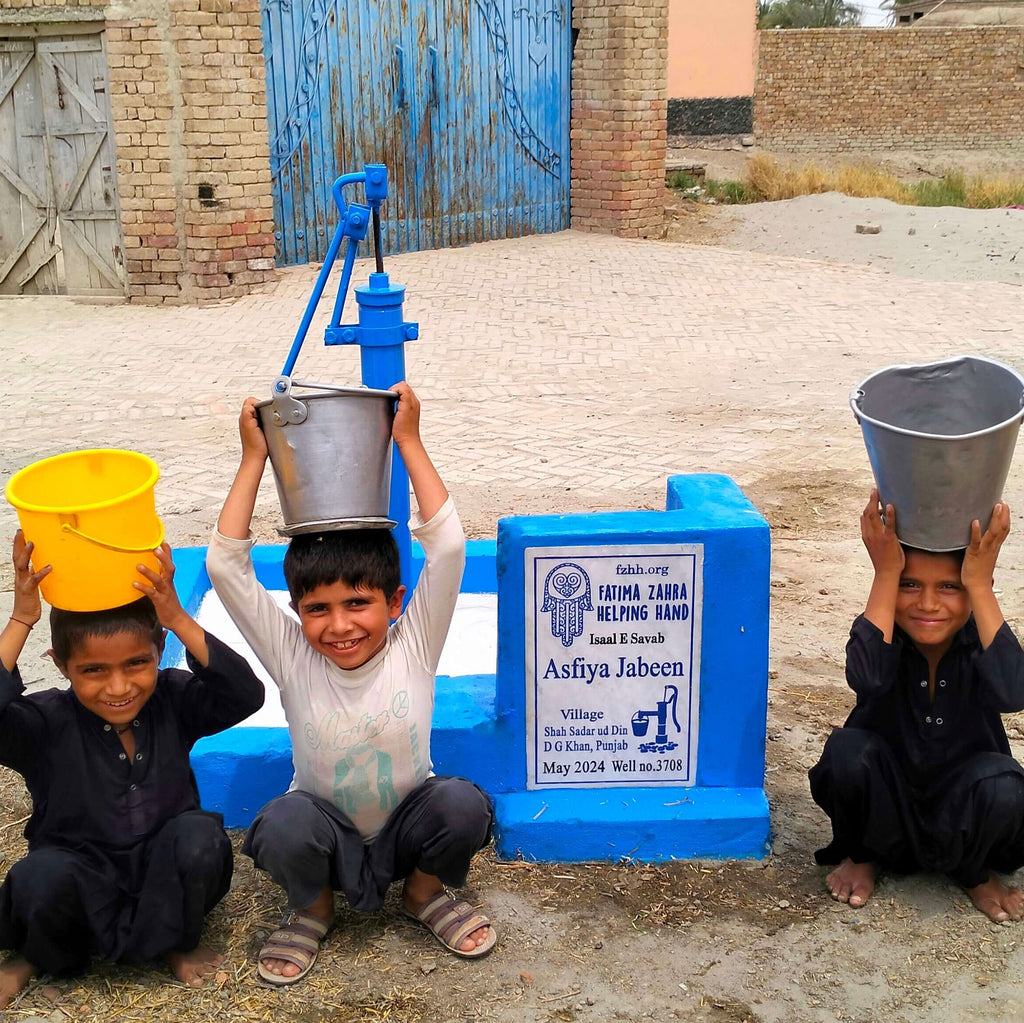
<point x="363" y="808"/>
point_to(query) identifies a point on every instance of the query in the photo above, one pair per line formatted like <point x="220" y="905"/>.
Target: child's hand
<point x="980" y="556"/>
<point x="406" y="427"/>
<point x="169" y="612"/>
<point x="254" y="443"/>
<point x="161" y="591"/>
<point x="27" y="606"/>
<point x="879" y="537"/>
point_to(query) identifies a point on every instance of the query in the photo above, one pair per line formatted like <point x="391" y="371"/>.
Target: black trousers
<point x="306" y="844"/>
<point x="58" y="907"/>
<point x="966" y="823"/>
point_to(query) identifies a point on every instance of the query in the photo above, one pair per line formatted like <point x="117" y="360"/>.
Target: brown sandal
<point x="451" y="921"/>
<point x="296" y="941"/>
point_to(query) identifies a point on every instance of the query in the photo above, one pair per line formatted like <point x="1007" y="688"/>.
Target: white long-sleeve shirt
<point x="360" y="738"/>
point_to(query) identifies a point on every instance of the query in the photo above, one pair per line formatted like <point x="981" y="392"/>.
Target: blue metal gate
<point x="466" y="101"/>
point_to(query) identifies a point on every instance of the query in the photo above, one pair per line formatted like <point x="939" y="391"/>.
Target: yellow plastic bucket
<point x="92" y="516"/>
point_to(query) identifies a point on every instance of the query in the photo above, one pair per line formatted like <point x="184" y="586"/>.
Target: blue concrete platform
<point x="481" y="722"/>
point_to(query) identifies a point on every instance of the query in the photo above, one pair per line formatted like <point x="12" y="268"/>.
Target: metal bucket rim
<point x="858" y="392"/>
<point x="337" y="525"/>
<point x="334" y="392"/>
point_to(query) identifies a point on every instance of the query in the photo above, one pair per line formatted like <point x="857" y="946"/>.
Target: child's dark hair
<point x="70" y="629"/>
<point x="360" y="558"/>
<point x="957" y="555"/>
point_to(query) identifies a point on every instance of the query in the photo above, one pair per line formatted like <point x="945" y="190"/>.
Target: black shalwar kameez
<point x="122" y="861"/>
<point x="916" y="783"/>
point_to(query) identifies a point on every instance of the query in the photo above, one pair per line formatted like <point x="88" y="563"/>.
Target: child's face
<point x="347" y="626"/>
<point x="114" y="676"/>
<point x="931" y="604"/>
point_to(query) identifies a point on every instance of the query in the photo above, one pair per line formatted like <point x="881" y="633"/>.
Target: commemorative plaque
<point x="612" y="665"/>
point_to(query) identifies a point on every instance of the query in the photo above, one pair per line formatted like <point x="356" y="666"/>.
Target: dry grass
<point x="770" y="180"/>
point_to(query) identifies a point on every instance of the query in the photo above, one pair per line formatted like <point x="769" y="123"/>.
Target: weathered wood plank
<point x="92" y="148"/>
<point x="67" y="81"/>
<point x="95" y="259"/>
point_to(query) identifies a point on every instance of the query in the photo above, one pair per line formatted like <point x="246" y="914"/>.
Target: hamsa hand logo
<point x="566" y="597"/>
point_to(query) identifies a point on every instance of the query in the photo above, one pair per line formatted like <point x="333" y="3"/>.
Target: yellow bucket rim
<point x="17" y="502"/>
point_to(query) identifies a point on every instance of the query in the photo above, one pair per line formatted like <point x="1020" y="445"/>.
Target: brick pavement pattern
<point x="558" y="373"/>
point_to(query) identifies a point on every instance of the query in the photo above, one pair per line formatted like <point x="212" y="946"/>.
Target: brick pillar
<point x="618" y="117"/>
<point x="142" y="102"/>
<point x="228" y="215"/>
<point x="188" y="96"/>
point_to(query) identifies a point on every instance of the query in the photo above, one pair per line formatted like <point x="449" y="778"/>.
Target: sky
<point x="871" y="12"/>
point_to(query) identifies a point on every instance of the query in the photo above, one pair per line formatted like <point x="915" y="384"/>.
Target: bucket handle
<point x="66" y="527"/>
<point x="855" y="397"/>
<point x="287" y="408"/>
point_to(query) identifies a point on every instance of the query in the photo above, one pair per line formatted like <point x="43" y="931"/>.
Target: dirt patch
<point x="924" y="243"/>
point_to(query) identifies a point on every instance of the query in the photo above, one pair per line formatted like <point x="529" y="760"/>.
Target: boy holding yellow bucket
<point x="364" y="808"/>
<point x="122" y="861"/>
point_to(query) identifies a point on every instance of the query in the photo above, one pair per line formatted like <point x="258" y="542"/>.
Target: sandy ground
<point x="702" y="942"/>
<point x="937" y="244"/>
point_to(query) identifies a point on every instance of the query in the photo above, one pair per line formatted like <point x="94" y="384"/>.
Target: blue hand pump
<point x="381" y="332"/>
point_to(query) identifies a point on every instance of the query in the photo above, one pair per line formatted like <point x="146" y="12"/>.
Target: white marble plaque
<point x="612" y="665"/>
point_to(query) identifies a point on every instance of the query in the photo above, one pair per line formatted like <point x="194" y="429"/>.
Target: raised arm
<point x="27" y="608"/>
<point x="169" y="612"/>
<point x="236" y="515"/>
<point x="887" y="557"/>
<point x="978" y="569"/>
<point x="427" y="485"/>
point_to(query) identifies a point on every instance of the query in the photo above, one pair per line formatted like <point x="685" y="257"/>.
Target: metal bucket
<point x="940" y="438"/>
<point x="331" y="454"/>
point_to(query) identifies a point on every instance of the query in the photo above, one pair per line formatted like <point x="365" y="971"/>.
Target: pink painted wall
<point x="711" y="48"/>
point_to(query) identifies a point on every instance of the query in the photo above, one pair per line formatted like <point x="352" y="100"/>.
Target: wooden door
<point x="60" y="229"/>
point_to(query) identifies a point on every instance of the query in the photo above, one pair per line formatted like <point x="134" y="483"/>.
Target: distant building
<point x="711" y="60"/>
<point x="959" y="12"/>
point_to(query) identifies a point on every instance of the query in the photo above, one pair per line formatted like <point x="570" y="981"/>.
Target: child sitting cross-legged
<point x="364" y="808"/>
<point x="122" y="863"/>
<point x="921" y="777"/>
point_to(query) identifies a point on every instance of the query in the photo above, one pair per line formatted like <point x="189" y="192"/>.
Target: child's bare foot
<point x="14" y="975"/>
<point x="192" y="968"/>
<point x="852" y="882"/>
<point x="997" y="901"/>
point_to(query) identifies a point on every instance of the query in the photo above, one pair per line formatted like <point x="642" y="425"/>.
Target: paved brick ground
<point x="558" y="373"/>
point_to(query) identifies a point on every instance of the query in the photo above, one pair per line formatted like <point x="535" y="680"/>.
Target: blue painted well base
<point x="479" y="727"/>
<point x="650" y="825"/>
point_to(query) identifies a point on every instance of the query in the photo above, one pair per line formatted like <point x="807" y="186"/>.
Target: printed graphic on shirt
<point x="363" y="777"/>
<point x="416" y="751"/>
<point x="400" y="704"/>
<point x="330" y="735"/>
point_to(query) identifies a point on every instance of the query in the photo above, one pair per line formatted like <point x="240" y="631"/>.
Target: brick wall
<point x="188" y="104"/>
<point x="873" y="89"/>
<point x="617" y="132"/>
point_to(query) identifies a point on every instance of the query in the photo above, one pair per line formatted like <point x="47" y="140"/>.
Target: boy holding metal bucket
<point x="920" y="777"/>
<point x="364" y="808"/>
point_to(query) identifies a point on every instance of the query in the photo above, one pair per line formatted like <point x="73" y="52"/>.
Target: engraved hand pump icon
<point x="642" y="720"/>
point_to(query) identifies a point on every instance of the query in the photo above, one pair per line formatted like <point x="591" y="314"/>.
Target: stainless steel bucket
<point x="330" y="450"/>
<point x="940" y="438"/>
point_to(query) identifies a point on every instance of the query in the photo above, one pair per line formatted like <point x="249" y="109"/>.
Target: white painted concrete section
<point x="471" y="647"/>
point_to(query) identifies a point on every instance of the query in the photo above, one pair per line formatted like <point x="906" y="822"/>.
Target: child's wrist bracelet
<point x="20" y="622"/>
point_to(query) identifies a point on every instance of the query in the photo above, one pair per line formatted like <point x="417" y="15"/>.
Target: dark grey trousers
<point x="59" y="907"/>
<point x="306" y="844"/>
<point x="969" y="823"/>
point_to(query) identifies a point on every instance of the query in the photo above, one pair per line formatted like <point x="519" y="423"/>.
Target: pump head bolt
<point x="348" y="334"/>
<point x="412" y="331"/>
